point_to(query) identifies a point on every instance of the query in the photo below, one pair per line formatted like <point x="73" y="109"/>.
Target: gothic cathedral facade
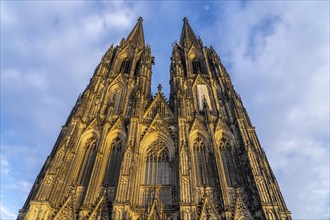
<point x="124" y="153"/>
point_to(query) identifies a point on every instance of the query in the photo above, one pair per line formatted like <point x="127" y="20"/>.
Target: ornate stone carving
<point x="126" y="154"/>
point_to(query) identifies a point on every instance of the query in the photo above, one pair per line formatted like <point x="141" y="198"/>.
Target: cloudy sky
<point x="276" y="52"/>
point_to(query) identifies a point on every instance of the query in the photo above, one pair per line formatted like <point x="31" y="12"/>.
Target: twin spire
<point x="137" y="35"/>
<point x="187" y="34"/>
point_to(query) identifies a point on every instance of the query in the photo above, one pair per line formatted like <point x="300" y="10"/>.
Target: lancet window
<point x="114" y="102"/>
<point x="201" y="161"/>
<point x="228" y="162"/>
<point x="125" y="65"/>
<point x="114" y="162"/>
<point x="137" y="68"/>
<point x="196" y="65"/>
<point x="87" y="161"/>
<point x="203" y="98"/>
<point x="157" y="165"/>
<point x="157" y="176"/>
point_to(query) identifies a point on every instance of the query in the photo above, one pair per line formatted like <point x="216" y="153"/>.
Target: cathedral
<point x="125" y="153"/>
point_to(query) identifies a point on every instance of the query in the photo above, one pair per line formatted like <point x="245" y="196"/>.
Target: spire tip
<point x="159" y="88"/>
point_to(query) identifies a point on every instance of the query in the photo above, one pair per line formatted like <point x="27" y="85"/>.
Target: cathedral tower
<point x="125" y="154"/>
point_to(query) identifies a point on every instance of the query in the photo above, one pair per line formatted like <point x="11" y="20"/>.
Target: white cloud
<point x="118" y="20"/>
<point x="22" y="186"/>
<point x="4" y="165"/>
<point x="284" y="83"/>
<point x="277" y="55"/>
<point x="34" y="79"/>
<point x="50" y="52"/>
<point x="6" y="213"/>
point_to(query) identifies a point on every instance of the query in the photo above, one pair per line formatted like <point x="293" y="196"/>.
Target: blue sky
<point x="276" y="52"/>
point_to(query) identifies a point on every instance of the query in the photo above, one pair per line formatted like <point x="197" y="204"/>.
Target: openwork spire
<point x="136" y="36"/>
<point x="187" y="33"/>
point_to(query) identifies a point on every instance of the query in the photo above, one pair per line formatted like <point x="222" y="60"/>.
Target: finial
<point x="185" y="19"/>
<point x="159" y="88"/>
<point x="140" y="19"/>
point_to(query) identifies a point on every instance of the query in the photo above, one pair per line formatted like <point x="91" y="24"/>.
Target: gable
<point x="209" y="211"/>
<point x="221" y="130"/>
<point x="241" y="211"/>
<point x="156" y="211"/>
<point x="119" y="79"/>
<point x="198" y="125"/>
<point x="221" y="125"/>
<point x="118" y="125"/>
<point x="194" y="52"/>
<point x="127" y="50"/>
<point x="94" y="124"/>
<point x="160" y="107"/>
<point x="158" y="125"/>
<point x="200" y="80"/>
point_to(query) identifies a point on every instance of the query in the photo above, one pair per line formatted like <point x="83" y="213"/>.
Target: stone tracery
<point x="127" y="154"/>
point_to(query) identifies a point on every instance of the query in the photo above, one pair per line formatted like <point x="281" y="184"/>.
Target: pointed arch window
<point x="201" y="162"/>
<point x="125" y="66"/>
<point x="196" y="65"/>
<point x="137" y="68"/>
<point x="227" y="156"/>
<point x="157" y="165"/>
<point x="87" y="162"/>
<point x="203" y="97"/>
<point x="114" y="163"/>
<point x="157" y="181"/>
<point x="114" y="102"/>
